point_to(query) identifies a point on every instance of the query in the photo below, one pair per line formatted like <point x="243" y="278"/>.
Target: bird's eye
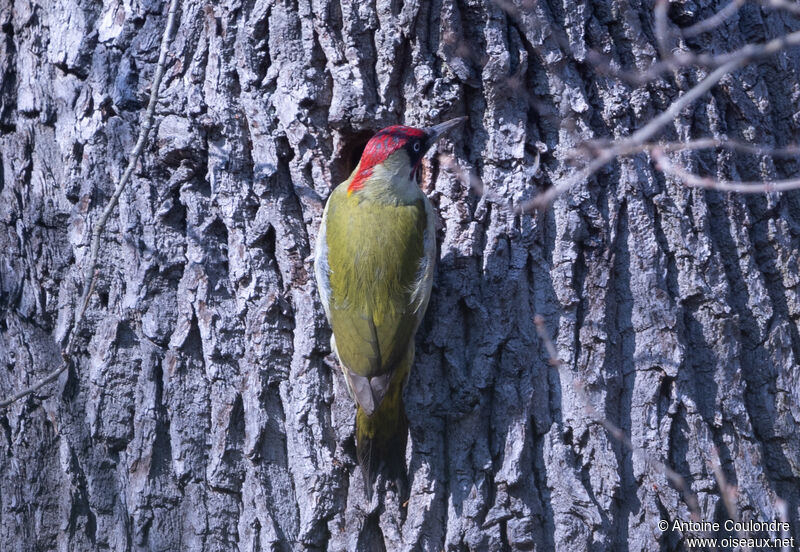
<point x="416" y="146"/>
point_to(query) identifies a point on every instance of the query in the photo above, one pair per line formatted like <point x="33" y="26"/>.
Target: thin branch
<point x="727" y="490"/>
<point x="714" y="21"/>
<point x="783" y="511"/>
<point x="552" y="353"/>
<point x="615" y="431"/>
<point x="681" y="59"/>
<point x="41" y="383"/>
<point x="690" y="179"/>
<point x="733" y="61"/>
<point x="636" y="139"/>
<point x="474" y="182"/>
<point x="753" y="51"/>
<point x="92" y="268"/>
<point x="595" y="146"/>
<point x="662" y="31"/>
<point x="734" y="145"/>
<point x="792" y="7"/>
<point x="134" y="159"/>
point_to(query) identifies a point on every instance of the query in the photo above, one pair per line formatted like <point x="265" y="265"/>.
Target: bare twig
<point x="147" y="124"/>
<point x="32" y="388"/>
<point x="681" y="59"/>
<point x="662" y="31"/>
<point x="727" y="64"/>
<point x="541" y="329"/>
<point x="726" y="490"/>
<point x="473" y="181"/>
<point x="753" y="51"/>
<point x="92" y="268"/>
<point x="615" y="431"/>
<point x="714" y="21"/>
<point x="690" y="179"/>
<point x="783" y="511"/>
<point x="595" y="146"/>
<point x="787" y="5"/>
<point x="636" y="139"/>
<point x="677" y="60"/>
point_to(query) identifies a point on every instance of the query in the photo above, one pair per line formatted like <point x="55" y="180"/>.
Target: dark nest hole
<point x="351" y="146"/>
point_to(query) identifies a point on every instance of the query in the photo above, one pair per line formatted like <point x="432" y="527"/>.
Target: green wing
<point x="375" y="253"/>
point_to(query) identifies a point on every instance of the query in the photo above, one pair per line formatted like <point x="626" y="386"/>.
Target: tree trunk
<point x="204" y="410"/>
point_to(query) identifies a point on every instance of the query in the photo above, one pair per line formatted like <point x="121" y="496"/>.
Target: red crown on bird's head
<point x="385" y="142"/>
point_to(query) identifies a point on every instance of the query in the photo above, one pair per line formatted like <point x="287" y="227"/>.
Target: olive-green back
<point x="374" y="252"/>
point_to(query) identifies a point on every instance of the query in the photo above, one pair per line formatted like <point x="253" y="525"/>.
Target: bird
<point x="374" y="262"/>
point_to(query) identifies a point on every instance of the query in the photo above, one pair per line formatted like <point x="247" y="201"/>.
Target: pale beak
<point x="437" y="131"/>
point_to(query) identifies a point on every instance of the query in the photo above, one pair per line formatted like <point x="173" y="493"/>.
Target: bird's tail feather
<point x="381" y="439"/>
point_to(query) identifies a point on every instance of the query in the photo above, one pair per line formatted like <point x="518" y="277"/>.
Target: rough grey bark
<point x="204" y="410"/>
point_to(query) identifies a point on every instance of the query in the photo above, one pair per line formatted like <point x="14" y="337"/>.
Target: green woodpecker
<point x="374" y="263"/>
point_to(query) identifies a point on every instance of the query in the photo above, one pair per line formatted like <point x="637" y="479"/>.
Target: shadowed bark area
<point x="205" y="410"/>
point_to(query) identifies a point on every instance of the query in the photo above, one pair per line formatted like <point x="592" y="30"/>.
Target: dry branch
<point x="714" y="21"/>
<point x="725" y="64"/>
<point x="662" y="31"/>
<point x="783" y="511"/>
<point x="636" y="139"/>
<point x="786" y="5"/>
<point x="596" y="146"/>
<point x="682" y="59"/>
<point x="695" y="181"/>
<point x="92" y="268"/>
